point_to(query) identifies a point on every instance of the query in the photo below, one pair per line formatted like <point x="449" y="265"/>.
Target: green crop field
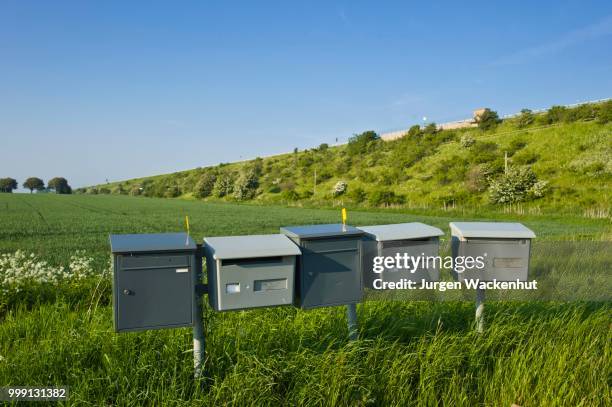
<point x="56" y="321"/>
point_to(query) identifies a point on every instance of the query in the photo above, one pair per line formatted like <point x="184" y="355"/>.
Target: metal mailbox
<point x="505" y="248"/>
<point x="152" y="281"/>
<point x="413" y="239"/>
<point x="329" y="269"/>
<point x="250" y="271"/>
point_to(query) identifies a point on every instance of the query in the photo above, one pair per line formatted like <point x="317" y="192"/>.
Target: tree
<point x="59" y="185"/>
<point x="8" y="184"/>
<point x="488" y="119"/>
<point x="525" y="118"/>
<point x="204" y="186"/>
<point x="34" y="183"/>
<point x="362" y="143"/>
<point x="556" y="114"/>
<point x="246" y="185"/>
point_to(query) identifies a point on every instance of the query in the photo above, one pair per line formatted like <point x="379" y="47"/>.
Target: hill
<point x="558" y="160"/>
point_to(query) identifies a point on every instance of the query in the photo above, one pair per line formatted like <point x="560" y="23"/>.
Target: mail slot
<point x="329" y="269"/>
<point x="417" y="242"/>
<point x="152" y="281"/>
<point x="504" y="250"/>
<point x="250" y="271"/>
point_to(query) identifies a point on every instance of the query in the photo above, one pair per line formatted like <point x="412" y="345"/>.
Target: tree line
<point x="59" y="185"/>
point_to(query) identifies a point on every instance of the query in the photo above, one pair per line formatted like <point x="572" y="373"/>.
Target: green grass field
<point x="409" y="353"/>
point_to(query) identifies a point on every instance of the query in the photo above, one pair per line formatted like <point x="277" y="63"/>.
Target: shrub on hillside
<point x="357" y="195"/>
<point x="362" y="143"/>
<point x="483" y="151"/>
<point x="525" y="119"/>
<point x="488" y="120"/>
<point x="525" y="157"/>
<point x="555" y="114"/>
<point x="384" y="197"/>
<point x="516" y="145"/>
<point x="515" y="186"/>
<point x="477" y="179"/>
<point x="467" y="140"/>
<point x="205" y="185"/>
<point x="224" y="185"/>
<point x="172" y="191"/>
<point x="290" y="195"/>
<point x="246" y="185"/>
<point x="605" y="113"/>
<point x="340" y="188"/>
<point x="136" y="190"/>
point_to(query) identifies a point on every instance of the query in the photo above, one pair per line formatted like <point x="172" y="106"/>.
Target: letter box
<point x="329" y="270"/>
<point x="417" y="245"/>
<point x="503" y="247"/>
<point x="152" y="281"/>
<point x="250" y="271"/>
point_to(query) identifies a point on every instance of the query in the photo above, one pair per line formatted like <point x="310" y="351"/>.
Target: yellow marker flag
<point x="344" y="216"/>
<point x="187" y="224"/>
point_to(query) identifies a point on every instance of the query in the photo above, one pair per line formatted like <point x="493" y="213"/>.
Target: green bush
<point x="384" y="197"/>
<point x="357" y="195"/>
<point x="556" y="114"/>
<point x="514" y="186"/>
<point x="525" y="119"/>
<point x="224" y="185"/>
<point x="525" y="157"/>
<point x="246" y="185"/>
<point x="362" y="143"/>
<point x="605" y="113"/>
<point x="483" y="151"/>
<point x="488" y="120"/>
<point x="467" y="140"/>
<point x="205" y="185"/>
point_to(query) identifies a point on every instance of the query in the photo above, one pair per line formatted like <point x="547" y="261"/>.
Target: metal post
<point x="351" y="316"/>
<point x="199" y="345"/>
<point x="480" y="299"/>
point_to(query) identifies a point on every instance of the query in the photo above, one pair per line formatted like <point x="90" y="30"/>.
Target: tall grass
<point x="408" y="353"/>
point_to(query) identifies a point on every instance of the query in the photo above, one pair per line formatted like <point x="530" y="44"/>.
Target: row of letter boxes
<point x="308" y="266"/>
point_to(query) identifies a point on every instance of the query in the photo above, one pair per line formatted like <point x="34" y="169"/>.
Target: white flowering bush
<point x="340" y="188"/>
<point x="20" y="270"/>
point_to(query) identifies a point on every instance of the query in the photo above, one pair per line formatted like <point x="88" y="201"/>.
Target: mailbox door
<point x="330" y="272"/>
<point x="251" y="283"/>
<point x="505" y="259"/>
<point x="153" y="292"/>
<point x="417" y="249"/>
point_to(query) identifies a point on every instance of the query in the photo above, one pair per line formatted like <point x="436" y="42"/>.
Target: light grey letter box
<point x="250" y="271"/>
<point x="415" y="240"/>
<point x="504" y="247"/>
<point x="329" y="270"/>
<point x="152" y="281"/>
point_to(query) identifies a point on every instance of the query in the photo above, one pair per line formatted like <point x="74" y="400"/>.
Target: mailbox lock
<point x="128" y="292"/>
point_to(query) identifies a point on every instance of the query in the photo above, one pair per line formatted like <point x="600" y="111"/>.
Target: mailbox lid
<point x="401" y="231"/>
<point x="249" y="247"/>
<point x="499" y="230"/>
<point x="151" y="242"/>
<point x="320" y="231"/>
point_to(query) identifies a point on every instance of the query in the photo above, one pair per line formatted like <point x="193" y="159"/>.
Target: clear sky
<point x="119" y="89"/>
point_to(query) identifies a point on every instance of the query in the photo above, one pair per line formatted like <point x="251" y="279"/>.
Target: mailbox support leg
<point x="351" y="316"/>
<point x="480" y="299"/>
<point x="199" y="344"/>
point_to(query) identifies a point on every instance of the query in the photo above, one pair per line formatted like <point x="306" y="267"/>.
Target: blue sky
<point x="115" y="90"/>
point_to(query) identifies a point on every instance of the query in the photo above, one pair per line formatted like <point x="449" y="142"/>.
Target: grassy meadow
<point x="409" y="353"/>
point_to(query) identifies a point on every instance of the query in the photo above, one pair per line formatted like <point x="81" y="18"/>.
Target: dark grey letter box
<point x="250" y="271"/>
<point x="413" y="240"/>
<point x="503" y="247"/>
<point x="329" y="270"/>
<point x="152" y="281"/>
